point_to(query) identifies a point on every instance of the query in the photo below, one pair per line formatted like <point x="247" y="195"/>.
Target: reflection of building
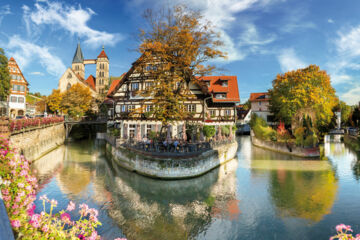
<point x="76" y="74"/>
<point x="260" y="103"/>
<point x="19" y="88"/>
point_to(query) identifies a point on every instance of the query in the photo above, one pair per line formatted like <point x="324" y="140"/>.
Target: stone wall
<point x="172" y="168"/>
<point x="35" y="143"/>
<point x="285" y="148"/>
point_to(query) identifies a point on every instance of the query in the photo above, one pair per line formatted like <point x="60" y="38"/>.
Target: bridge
<point x="69" y="123"/>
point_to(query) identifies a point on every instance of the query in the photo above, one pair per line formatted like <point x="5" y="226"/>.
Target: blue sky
<point x="262" y="37"/>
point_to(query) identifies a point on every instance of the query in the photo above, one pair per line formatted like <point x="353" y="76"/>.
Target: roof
<point x="15" y="63"/>
<point x="102" y="54"/>
<point x="11" y="59"/>
<point x="91" y="82"/>
<point x="114" y="84"/>
<point x="78" y="57"/>
<point x="232" y="91"/>
<point x="259" y="97"/>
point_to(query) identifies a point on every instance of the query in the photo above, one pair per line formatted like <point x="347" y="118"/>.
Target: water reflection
<point x="259" y="195"/>
<point x="143" y="208"/>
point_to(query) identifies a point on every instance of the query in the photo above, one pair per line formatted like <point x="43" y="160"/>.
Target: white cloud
<point x="72" y="19"/>
<point x="37" y="73"/>
<point x="348" y="43"/>
<point x="289" y="60"/>
<point x="4" y="10"/>
<point x="352" y="96"/>
<point x="26" y="52"/>
<point x="296" y="20"/>
<point x="330" y="20"/>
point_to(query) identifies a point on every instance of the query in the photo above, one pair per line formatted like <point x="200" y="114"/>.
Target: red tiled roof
<point x="11" y="59"/>
<point x="232" y="91"/>
<point x="259" y="97"/>
<point x="91" y="82"/>
<point x="102" y="54"/>
<point x="114" y="84"/>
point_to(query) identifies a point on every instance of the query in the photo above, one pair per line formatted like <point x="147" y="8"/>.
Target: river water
<point x="258" y="195"/>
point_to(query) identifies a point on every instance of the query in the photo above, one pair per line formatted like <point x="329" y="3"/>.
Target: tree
<point x="76" y="100"/>
<point x="174" y="51"/>
<point x="54" y="101"/>
<point x="307" y="88"/>
<point x="345" y="112"/>
<point x="4" y="76"/>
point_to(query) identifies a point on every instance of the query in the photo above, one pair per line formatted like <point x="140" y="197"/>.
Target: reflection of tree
<point x="356" y="168"/>
<point x="309" y="195"/>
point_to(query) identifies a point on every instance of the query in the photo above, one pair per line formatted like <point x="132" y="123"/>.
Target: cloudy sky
<point x="262" y="37"/>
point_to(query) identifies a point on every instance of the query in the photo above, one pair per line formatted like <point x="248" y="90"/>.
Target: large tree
<point x="54" y="101"/>
<point x="4" y="76"/>
<point x="307" y="88"/>
<point x="77" y="100"/>
<point x="174" y="51"/>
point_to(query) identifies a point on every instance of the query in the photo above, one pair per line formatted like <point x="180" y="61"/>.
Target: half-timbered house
<point x="211" y="101"/>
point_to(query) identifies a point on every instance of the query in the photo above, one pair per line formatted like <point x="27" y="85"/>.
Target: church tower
<point x="78" y="62"/>
<point x="102" y="72"/>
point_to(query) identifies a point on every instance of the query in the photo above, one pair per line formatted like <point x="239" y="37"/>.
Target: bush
<point x="209" y="131"/>
<point x="261" y="129"/>
<point x="311" y="141"/>
<point x="225" y="130"/>
<point x="299" y="136"/>
<point x="153" y="135"/>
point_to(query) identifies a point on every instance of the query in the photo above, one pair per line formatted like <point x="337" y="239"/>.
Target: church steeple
<point x="78" y="57"/>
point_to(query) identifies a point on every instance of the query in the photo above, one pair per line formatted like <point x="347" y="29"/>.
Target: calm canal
<point x="258" y="195"/>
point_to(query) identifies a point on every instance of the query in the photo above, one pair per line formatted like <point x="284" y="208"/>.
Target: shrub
<point x="209" y="131"/>
<point x="261" y="129"/>
<point x="225" y="130"/>
<point x="311" y="140"/>
<point x="299" y="136"/>
<point x="153" y="135"/>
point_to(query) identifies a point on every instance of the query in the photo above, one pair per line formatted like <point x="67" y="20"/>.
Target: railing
<point x="19" y="125"/>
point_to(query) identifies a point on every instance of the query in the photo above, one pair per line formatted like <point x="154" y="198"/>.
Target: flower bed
<point x="18" y="187"/>
<point x="344" y="232"/>
<point x="21" y="124"/>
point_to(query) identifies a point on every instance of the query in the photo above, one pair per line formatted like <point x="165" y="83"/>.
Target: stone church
<point x="76" y="74"/>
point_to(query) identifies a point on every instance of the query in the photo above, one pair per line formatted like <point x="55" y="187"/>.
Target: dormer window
<point x="220" y="95"/>
<point x="224" y="83"/>
<point x="207" y="83"/>
<point x="135" y="86"/>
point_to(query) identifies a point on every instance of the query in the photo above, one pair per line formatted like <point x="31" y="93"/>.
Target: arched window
<point x="68" y="86"/>
<point x="69" y="75"/>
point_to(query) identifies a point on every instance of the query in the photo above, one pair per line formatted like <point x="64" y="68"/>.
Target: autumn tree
<point x="76" y="101"/>
<point x="345" y="112"/>
<point x="174" y="51"/>
<point x="4" y="76"/>
<point x="54" y="101"/>
<point x="307" y="88"/>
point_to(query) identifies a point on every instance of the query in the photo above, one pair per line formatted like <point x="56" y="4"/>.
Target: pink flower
<point x="23" y="173"/>
<point x="5" y="191"/>
<point x="16" y="212"/>
<point x="15" y="223"/>
<point x="12" y="163"/>
<point x="35" y="220"/>
<point x="120" y="239"/>
<point x="31" y="209"/>
<point x="71" y="206"/>
<point x="80" y="236"/>
<point x="341" y="227"/>
<point x="15" y="206"/>
<point x="65" y="217"/>
<point x="21" y="185"/>
<point x="21" y="194"/>
<point x="17" y="199"/>
<point x="84" y="209"/>
<point x="93" y="236"/>
<point x="45" y="228"/>
<point x="53" y="202"/>
<point x="44" y="198"/>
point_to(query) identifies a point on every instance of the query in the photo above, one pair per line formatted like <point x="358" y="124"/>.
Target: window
<point x="191" y="107"/>
<point x="131" y="108"/>
<point x="212" y="113"/>
<point x="123" y="108"/>
<point x="227" y="112"/>
<point x="148" y="108"/>
<point x="77" y="68"/>
<point x="118" y="108"/>
<point x="131" y="130"/>
<point x="220" y="95"/>
<point x="69" y="75"/>
<point x="224" y="83"/>
<point x="259" y="103"/>
<point x="20" y="100"/>
<point x="13" y="99"/>
<point x="134" y="86"/>
<point x="148" y="130"/>
<point x="68" y="86"/>
<point x="151" y="67"/>
<point x="148" y="85"/>
<point x="207" y="83"/>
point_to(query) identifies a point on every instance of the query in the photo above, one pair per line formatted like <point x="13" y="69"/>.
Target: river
<point x="258" y="195"/>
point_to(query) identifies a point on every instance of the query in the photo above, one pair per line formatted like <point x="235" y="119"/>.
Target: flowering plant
<point x="344" y="232"/>
<point x="18" y="187"/>
<point x="19" y="124"/>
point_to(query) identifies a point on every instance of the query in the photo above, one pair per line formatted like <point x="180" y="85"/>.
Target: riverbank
<point x="172" y="167"/>
<point x="285" y="148"/>
<point x="352" y="142"/>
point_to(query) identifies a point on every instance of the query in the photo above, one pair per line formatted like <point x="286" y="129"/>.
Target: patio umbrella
<point x="184" y="132"/>
<point x="168" y="137"/>
<point x="138" y="133"/>
<point x="219" y="133"/>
